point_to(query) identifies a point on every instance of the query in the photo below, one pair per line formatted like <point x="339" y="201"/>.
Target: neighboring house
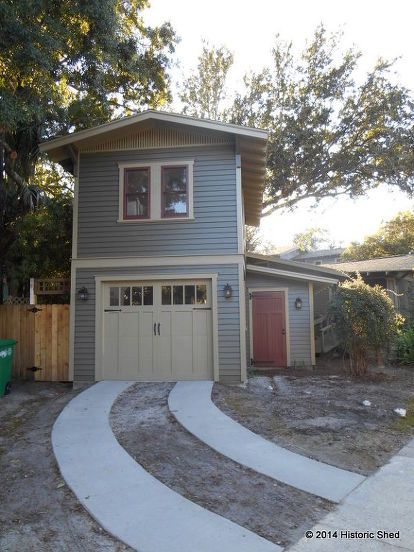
<point x="393" y="273"/>
<point x="159" y="281"/>
<point x="317" y="257"/>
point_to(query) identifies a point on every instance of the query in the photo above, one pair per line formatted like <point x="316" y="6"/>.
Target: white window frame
<point x="156" y="191"/>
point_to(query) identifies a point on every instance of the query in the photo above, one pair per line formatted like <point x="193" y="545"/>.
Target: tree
<point x="310" y="239"/>
<point x="203" y="92"/>
<point x="43" y="244"/>
<point x="365" y="321"/>
<point x="254" y="241"/>
<point x="395" y="237"/>
<point x="67" y="66"/>
<point x="74" y="64"/>
<point x="329" y="135"/>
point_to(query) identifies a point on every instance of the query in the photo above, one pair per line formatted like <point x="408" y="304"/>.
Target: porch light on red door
<point x="228" y="291"/>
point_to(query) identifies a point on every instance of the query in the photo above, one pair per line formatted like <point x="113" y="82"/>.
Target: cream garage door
<point x="157" y="331"/>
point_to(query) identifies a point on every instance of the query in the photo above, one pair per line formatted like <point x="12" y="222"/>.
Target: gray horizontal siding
<point x="228" y="316"/>
<point x="213" y="230"/>
<point x="299" y="320"/>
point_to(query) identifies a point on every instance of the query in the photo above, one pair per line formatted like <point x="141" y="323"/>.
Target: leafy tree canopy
<point x="74" y="64"/>
<point x="202" y="94"/>
<point x="332" y="132"/>
<point x="395" y="237"/>
<point x="311" y="239"/>
<point x="43" y="244"/>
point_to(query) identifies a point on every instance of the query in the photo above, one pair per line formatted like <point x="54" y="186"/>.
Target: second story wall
<point x="213" y="230"/>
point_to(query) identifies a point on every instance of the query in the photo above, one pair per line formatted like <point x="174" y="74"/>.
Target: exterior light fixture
<point x="298" y="303"/>
<point x="83" y="294"/>
<point x="228" y="291"/>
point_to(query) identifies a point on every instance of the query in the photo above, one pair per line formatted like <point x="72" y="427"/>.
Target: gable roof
<point x="397" y="263"/>
<point x="250" y="144"/>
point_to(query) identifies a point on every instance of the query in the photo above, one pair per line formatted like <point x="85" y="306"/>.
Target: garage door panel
<point x="163" y="369"/>
<point x="146" y="345"/>
<point x="161" y="342"/>
<point x="110" y="345"/>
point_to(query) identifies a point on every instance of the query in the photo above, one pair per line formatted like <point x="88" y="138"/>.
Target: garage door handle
<point x="159" y="326"/>
<point x="113" y="310"/>
<point x="155" y="328"/>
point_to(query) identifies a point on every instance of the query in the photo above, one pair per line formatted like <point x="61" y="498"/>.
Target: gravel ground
<point x="144" y="426"/>
<point x="322" y="415"/>
<point x="38" y="512"/>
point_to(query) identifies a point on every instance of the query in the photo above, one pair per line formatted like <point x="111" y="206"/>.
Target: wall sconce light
<point x="83" y="294"/>
<point x="298" y="303"/>
<point x="228" y="291"/>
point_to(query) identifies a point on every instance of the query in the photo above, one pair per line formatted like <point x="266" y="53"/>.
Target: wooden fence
<point x="42" y="334"/>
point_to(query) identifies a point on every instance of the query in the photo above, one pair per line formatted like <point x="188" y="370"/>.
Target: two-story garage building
<point x="158" y="283"/>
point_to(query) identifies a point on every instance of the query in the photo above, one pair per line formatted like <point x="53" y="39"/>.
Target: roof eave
<point x="247" y="132"/>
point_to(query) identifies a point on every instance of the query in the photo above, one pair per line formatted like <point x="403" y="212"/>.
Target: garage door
<point x="157" y="331"/>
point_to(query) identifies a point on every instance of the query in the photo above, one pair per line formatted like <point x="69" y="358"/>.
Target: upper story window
<point x="156" y="191"/>
<point x="174" y="201"/>
<point x="137" y="193"/>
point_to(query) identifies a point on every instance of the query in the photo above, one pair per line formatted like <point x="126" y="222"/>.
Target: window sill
<point x="146" y="221"/>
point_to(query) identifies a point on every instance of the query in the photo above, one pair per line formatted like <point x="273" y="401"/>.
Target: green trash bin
<point x="6" y="363"/>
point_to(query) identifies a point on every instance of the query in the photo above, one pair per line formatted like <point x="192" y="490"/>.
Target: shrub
<point x="366" y="321"/>
<point x="405" y="345"/>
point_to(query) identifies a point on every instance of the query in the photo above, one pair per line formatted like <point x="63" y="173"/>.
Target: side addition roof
<point x="250" y="144"/>
<point x="397" y="263"/>
<point x="270" y="265"/>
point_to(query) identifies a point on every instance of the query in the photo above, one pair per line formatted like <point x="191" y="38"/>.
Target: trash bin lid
<point x="7" y="343"/>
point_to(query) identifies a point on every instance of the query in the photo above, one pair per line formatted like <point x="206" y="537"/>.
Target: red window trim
<point x="175" y="215"/>
<point x="137" y="217"/>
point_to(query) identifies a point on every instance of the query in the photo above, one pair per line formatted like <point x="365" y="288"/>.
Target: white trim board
<point x="166" y="260"/>
<point x="288" y="274"/>
<point x="284" y="290"/>
<point x="99" y="304"/>
<point x="312" y="324"/>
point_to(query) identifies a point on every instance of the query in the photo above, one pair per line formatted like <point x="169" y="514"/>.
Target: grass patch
<point x="406" y="424"/>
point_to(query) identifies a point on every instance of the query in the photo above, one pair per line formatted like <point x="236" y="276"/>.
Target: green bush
<point x="405" y="345"/>
<point x="366" y="321"/>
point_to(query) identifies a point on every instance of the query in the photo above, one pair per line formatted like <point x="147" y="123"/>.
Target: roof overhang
<point x="250" y="144"/>
<point x="291" y="274"/>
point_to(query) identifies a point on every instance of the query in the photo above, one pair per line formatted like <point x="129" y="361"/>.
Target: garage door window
<point x="114" y="296"/>
<point x="127" y="296"/>
<point x="184" y="295"/>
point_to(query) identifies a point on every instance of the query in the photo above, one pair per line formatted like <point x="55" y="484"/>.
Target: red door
<point x="269" y="328"/>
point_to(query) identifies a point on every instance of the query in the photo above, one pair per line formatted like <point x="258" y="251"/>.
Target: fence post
<point x="33" y="298"/>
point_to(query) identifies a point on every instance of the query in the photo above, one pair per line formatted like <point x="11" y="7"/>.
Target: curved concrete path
<point x="124" y="498"/>
<point x="191" y="404"/>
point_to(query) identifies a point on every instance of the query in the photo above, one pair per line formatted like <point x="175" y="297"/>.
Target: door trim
<point x="285" y="291"/>
<point x="99" y="303"/>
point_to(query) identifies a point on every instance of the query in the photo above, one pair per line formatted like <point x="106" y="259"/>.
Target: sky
<point x="377" y="28"/>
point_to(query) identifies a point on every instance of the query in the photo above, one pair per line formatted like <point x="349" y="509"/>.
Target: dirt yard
<point x="144" y="426"/>
<point x="38" y="512"/>
<point x="322" y="415"/>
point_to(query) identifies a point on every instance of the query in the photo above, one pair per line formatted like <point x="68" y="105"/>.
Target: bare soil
<point x="37" y="510"/>
<point x="144" y="426"/>
<point x="321" y="413"/>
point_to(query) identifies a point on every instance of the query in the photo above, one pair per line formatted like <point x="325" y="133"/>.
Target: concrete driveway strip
<point x="382" y="505"/>
<point x="123" y="497"/>
<point x="191" y="404"/>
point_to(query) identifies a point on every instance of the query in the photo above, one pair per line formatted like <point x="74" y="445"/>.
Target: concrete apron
<point x="124" y="498"/>
<point x="190" y="402"/>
